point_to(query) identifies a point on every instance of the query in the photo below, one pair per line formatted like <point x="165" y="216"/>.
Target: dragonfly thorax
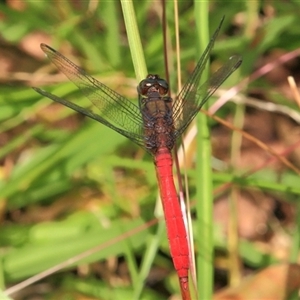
<point x="156" y="110"/>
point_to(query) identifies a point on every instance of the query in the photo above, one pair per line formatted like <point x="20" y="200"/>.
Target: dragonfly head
<point x="153" y="83"/>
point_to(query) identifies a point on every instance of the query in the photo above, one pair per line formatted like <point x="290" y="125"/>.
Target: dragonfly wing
<point x="193" y="99"/>
<point x="192" y="96"/>
<point x="137" y="138"/>
<point x="114" y="110"/>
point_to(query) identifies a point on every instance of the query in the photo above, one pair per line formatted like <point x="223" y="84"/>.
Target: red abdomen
<point x="173" y="216"/>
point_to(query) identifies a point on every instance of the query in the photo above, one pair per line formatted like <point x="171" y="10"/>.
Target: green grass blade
<point x="204" y="203"/>
<point x="148" y="258"/>
<point x="134" y="40"/>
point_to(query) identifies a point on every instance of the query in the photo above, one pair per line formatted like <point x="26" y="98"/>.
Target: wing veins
<point x="138" y="139"/>
<point x="129" y="115"/>
<point x="209" y="87"/>
<point x="194" y="79"/>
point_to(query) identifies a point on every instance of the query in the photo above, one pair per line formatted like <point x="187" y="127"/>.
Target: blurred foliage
<point x="68" y="184"/>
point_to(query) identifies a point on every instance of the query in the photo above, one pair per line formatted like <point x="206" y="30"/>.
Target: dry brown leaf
<point x="273" y="283"/>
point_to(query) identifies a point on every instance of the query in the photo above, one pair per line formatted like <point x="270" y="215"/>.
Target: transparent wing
<point x="192" y="96"/>
<point x="115" y="111"/>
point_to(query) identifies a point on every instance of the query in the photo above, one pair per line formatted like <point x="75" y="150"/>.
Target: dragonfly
<point x="155" y="124"/>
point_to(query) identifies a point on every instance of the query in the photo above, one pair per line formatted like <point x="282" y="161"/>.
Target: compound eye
<point x="163" y="86"/>
<point x="144" y="86"/>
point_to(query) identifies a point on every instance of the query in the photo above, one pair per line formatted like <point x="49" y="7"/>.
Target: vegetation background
<point x="68" y="184"/>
